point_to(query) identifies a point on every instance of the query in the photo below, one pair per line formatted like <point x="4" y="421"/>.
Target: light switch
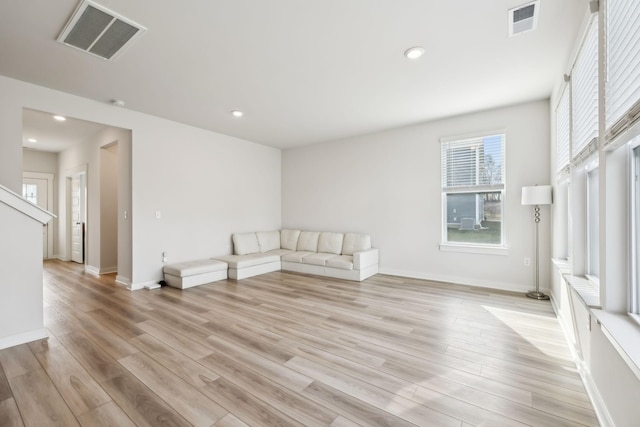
<point x="158" y="215"/>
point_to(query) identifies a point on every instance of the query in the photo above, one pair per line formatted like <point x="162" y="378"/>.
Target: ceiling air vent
<point x="523" y="18"/>
<point x="97" y="30"/>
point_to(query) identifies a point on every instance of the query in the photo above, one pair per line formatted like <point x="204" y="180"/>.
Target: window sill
<point x="586" y="290"/>
<point x="562" y="264"/>
<point x="623" y="332"/>
<point x="474" y="249"/>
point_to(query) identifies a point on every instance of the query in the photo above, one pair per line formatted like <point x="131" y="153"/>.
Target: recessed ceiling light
<point x="237" y="113"/>
<point x="59" y="118"/>
<point x="32" y="140"/>
<point x="414" y="52"/>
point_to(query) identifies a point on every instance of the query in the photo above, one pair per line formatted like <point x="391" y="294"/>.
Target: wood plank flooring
<point x="283" y="349"/>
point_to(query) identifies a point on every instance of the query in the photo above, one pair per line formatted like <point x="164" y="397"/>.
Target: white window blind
<point x="562" y="131"/>
<point x="585" y="92"/>
<point x="623" y="63"/>
<point x="475" y="164"/>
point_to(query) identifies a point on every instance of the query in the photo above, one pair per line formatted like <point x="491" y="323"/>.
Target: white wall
<point x="21" y="314"/>
<point x="388" y="185"/>
<point x="109" y="208"/>
<point x="206" y="185"/>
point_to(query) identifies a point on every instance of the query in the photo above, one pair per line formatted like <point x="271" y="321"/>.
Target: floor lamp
<point x="537" y="195"/>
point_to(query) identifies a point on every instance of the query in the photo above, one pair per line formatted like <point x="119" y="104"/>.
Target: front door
<point x="35" y="190"/>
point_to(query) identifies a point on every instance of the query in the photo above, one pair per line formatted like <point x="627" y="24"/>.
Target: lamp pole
<point x="537" y="294"/>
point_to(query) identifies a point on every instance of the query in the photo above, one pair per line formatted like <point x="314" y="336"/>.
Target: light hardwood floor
<point x="284" y="349"/>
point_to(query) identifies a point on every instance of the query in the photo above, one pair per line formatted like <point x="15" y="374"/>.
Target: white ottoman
<point x="193" y="273"/>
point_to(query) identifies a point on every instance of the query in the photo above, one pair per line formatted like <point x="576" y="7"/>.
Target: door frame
<point x="49" y="177"/>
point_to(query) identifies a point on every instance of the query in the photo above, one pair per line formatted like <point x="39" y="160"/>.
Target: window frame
<point x="590" y="263"/>
<point x="634" y="225"/>
<point x="473" y="247"/>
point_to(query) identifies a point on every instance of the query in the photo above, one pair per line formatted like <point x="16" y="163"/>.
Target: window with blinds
<point x="562" y="131"/>
<point x="623" y="65"/>
<point x="473" y="180"/>
<point x="585" y="96"/>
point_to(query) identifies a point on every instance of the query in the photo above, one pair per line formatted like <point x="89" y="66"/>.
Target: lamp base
<point x="537" y="295"/>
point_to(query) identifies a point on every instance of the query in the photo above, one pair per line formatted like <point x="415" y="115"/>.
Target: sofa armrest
<point x="364" y="259"/>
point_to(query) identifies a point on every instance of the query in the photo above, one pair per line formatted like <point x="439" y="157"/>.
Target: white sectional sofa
<point x="344" y="256"/>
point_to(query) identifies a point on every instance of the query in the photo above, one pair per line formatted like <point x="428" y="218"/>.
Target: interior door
<point x="76" y="217"/>
<point x="35" y="190"/>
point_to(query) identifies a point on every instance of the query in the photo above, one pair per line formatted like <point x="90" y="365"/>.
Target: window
<point x="473" y="190"/>
<point x="30" y="193"/>
<point x="585" y="93"/>
<point x="623" y="79"/>
<point x="593" y="225"/>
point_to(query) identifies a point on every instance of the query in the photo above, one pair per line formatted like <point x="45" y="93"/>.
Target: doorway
<point x="78" y="216"/>
<point x="37" y="188"/>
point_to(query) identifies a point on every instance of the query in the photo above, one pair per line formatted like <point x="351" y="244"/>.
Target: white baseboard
<point x="124" y="281"/>
<point x="141" y="285"/>
<point x="109" y="270"/>
<point x="92" y="270"/>
<point x="23" y="338"/>
<point x="475" y="282"/>
<point x="62" y="258"/>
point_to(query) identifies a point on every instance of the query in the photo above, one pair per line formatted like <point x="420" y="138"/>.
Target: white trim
<point x="23" y="337"/>
<point x="474" y="249"/>
<point x="474" y="135"/>
<point x="141" y="285"/>
<point x="454" y="280"/>
<point x="109" y="270"/>
<point x="92" y="270"/>
<point x="124" y="281"/>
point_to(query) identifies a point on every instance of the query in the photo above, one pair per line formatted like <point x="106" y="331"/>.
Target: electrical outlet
<point x="164" y="257"/>
<point x="527" y="261"/>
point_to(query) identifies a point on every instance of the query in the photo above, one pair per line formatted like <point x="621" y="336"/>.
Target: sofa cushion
<point x="245" y="243"/>
<point x="354" y="242"/>
<point x="318" y="258"/>
<point x="192" y="268"/>
<point x="296" y="256"/>
<point x="344" y="262"/>
<point x="308" y="241"/>
<point x="289" y="239"/>
<point x="330" y="243"/>
<point x="268" y="240"/>
<point x="243" y="261"/>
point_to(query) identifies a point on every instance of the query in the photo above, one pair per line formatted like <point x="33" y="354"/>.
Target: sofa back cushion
<point x="245" y="243"/>
<point x="308" y="241"/>
<point x="268" y="240"/>
<point x="330" y="243"/>
<point x="354" y="242"/>
<point x="289" y="239"/>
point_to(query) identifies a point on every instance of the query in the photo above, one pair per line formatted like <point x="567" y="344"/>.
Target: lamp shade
<point x="537" y="195"/>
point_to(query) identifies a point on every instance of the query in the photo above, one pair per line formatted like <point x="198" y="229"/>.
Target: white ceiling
<point x="55" y="136"/>
<point x="302" y="71"/>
